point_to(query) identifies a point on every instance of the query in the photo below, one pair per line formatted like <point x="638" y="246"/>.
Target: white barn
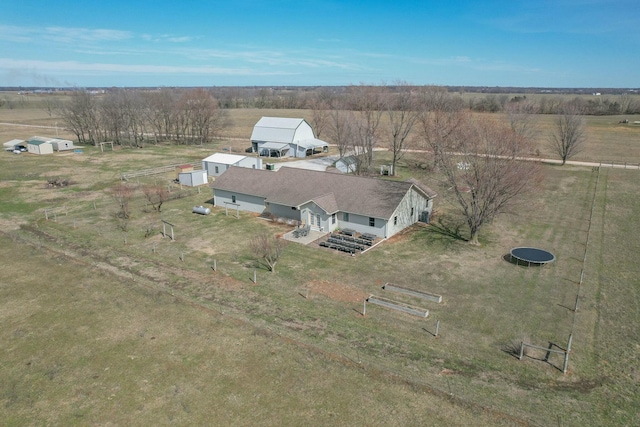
<point x="285" y="137"/>
<point x="216" y="164"/>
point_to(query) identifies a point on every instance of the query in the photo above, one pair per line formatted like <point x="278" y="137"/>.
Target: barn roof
<point x="293" y="187"/>
<point x="276" y="129"/>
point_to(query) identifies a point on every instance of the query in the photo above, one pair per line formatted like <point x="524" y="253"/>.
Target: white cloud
<point x="61" y="67"/>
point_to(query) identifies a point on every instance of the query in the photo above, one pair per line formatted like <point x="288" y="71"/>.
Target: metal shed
<point x="39" y="146"/>
<point x="193" y="178"/>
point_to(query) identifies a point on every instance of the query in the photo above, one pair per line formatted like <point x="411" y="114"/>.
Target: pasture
<point x="109" y="322"/>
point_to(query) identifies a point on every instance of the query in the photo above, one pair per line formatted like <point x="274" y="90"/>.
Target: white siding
<point x="404" y="213"/>
<point x="247" y="203"/>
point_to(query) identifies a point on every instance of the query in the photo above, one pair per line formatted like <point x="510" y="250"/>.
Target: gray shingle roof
<point x="293" y="187"/>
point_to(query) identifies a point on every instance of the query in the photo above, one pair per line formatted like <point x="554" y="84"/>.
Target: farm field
<point x="109" y="322"/>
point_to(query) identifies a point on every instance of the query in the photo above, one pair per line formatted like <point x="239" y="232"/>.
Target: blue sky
<point x="558" y="43"/>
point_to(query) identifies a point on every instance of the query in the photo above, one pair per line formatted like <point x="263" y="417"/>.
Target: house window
<point x="372" y="222"/>
<point x="233" y="199"/>
<point x="333" y="219"/>
<point x="217" y="170"/>
<point x="395" y="220"/>
<point x="345" y="216"/>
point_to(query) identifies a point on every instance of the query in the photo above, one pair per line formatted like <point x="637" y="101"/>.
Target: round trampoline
<point x="531" y="256"/>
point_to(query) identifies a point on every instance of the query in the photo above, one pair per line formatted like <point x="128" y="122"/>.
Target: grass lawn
<point x="110" y="322"/>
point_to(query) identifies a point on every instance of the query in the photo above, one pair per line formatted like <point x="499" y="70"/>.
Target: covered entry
<point x="273" y="149"/>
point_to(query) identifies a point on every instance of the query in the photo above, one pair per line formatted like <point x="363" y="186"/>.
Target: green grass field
<point x="98" y="331"/>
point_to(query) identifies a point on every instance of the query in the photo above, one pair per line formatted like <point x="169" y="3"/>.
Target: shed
<point x="285" y="137"/>
<point x="193" y="178"/>
<point x="184" y="168"/>
<point x="216" y="164"/>
<point x="39" y="145"/>
<point x="347" y="164"/>
<point x="61" y="144"/>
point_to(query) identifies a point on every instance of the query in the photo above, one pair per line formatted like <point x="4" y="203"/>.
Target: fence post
<point x="521" y="350"/>
<point x="214" y="264"/>
<point x="437" y="328"/>
<point x="182" y="256"/>
<point x="255" y="277"/>
<point x="575" y="309"/>
<point x="364" y="309"/>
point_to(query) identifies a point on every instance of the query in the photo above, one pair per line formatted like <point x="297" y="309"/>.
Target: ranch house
<point x="326" y="201"/>
<point x="285" y="137"/>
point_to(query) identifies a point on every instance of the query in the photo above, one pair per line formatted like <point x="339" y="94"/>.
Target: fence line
<point x="153" y="171"/>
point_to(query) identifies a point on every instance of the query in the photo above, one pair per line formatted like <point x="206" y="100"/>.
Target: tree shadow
<point x="446" y="228"/>
<point x="512" y="260"/>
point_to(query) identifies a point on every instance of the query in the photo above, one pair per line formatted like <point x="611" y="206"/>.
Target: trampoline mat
<point x="533" y="255"/>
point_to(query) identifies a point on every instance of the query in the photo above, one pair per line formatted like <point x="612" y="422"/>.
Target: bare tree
<point x="368" y="104"/>
<point x="156" y="195"/>
<point x="160" y="108"/>
<point x="402" y="114"/>
<point x="202" y="117"/>
<point x="568" y="136"/>
<point x="122" y="195"/>
<point x="522" y="117"/>
<point x="482" y="172"/>
<point x="320" y="105"/>
<point x="81" y="116"/>
<point x="268" y="248"/>
<point x="340" y="128"/>
<point x="441" y="115"/>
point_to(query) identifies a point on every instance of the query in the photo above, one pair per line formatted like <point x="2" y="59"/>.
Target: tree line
<point x="135" y="117"/>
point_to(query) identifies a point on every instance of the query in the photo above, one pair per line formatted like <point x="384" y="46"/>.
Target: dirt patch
<point x="336" y="291"/>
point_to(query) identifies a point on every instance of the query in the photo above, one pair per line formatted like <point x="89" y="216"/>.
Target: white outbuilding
<point x="285" y="137"/>
<point x="40" y="145"/>
<point x="193" y="178"/>
<point x="62" y="144"/>
<point x="216" y="164"/>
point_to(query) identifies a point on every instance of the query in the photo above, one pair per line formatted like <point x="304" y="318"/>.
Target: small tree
<point x="268" y="248"/>
<point x="122" y="195"/>
<point x="402" y="114"/>
<point x="568" y="136"/>
<point x="483" y="173"/>
<point x="156" y="195"/>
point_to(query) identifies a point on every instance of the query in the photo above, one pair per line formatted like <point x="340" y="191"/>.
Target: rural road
<point x="322" y="163"/>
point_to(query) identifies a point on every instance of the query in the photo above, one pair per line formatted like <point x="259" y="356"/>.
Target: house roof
<point x="426" y="190"/>
<point x="293" y="187"/>
<point x="223" y="158"/>
<point x="276" y="129"/>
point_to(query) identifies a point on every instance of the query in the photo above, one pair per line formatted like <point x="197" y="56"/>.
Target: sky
<point x="535" y="43"/>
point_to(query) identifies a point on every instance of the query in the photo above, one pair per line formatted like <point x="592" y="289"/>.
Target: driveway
<point x="316" y="164"/>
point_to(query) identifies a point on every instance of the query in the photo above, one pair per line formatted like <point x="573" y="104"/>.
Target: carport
<point x="273" y="149"/>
